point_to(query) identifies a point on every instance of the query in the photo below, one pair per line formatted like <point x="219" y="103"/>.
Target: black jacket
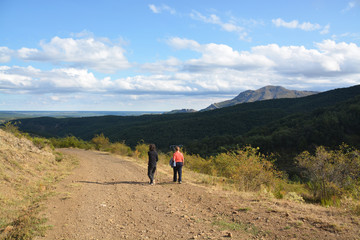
<point x="153" y="158"/>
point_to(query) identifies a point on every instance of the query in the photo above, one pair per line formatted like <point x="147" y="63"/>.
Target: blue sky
<point x="122" y="55"/>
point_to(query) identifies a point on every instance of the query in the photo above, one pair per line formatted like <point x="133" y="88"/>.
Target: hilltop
<point x="265" y="93"/>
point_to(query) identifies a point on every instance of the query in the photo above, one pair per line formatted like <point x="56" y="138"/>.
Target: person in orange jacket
<point x="179" y="159"/>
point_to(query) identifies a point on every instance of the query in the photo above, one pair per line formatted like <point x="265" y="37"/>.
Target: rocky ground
<point x="108" y="197"/>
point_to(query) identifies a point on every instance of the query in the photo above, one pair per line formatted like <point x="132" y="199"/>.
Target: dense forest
<point x="282" y="126"/>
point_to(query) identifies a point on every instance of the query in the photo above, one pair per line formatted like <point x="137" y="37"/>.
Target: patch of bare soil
<point x="108" y="197"/>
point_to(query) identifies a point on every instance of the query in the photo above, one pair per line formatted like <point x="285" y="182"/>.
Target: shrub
<point x="120" y="148"/>
<point x="100" y="141"/>
<point x="42" y="142"/>
<point x="141" y="150"/>
<point x="332" y="173"/>
<point x="11" y="127"/>
<point x="198" y="164"/>
<point x="248" y="168"/>
<point x="70" y="141"/>
<point x="164" y="158"/>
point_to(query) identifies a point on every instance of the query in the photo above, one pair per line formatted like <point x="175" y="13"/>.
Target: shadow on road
<point x="114" y="183"/>
<point x="124" y="182"/>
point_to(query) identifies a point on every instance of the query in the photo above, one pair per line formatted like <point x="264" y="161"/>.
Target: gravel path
<point x="108" y="197"/>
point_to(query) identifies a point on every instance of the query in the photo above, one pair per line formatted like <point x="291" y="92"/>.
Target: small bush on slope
<point x="71" y="141"/>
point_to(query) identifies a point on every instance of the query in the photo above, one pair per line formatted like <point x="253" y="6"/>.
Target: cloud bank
<point x="100" y="55"/>
<point x="219" y="69"/>
<point x="305" y="26"/>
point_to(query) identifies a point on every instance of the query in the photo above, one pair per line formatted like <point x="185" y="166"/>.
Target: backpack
<point x="172" y="163"/>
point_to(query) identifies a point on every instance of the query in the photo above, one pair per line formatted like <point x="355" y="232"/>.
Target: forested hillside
<point x="284" y="126"/>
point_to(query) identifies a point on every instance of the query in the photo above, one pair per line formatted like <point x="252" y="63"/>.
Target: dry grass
<point x="26" y="177"/>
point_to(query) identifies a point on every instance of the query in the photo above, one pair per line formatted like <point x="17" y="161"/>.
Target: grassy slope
<point x="26" y="175"/>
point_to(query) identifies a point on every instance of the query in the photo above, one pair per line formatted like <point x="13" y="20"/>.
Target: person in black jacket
<point x="153" y="158"/>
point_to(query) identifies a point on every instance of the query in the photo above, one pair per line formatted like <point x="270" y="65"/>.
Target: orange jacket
<point x="178" y="157"/>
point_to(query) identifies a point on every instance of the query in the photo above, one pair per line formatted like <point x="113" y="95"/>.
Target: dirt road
<point x="108" y="197"/>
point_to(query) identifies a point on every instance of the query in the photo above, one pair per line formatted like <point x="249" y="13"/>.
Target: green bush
<point x="101" y="142"/>
<point x="248" y="168"/>
<point x="141" y="150"/>
<point x="11" y="127"/>
<point x="69" y="142"/>
<point x="42" y="142"/>
<point x="331" y="173"/>
<point x="164" y="158"/>
<point x="120" y="148"/>
<point x="198" y="164"/>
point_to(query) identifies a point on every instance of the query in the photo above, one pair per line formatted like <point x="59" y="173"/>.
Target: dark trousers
<point x="151" y="173"/>
<point x="178" y="170"/>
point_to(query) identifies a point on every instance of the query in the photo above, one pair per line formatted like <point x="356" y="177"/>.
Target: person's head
<point x="177" y="148"/>
<point x="152" y="147"/>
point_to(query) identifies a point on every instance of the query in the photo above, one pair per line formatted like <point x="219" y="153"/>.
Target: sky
<point x="143" y="55"/>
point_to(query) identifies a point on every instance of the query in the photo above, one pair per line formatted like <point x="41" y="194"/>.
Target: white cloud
<point x="5" y="54"/>
<point x="170" y="65"/>
<point x="325" y="30"/>
<point x="99" y="55"/>
<point x="350" y="5"/>
<point x="305" y="26"/>
<point x="154" y="8"/>
<point x="218" y="56"/>
<point x="162" y="8"/>
<point x="219" y="69"/>
<point x="230" y="26"/>
<point x="30" y="79"/>
<point x="15" y="78"/>
<point x="55" y="98"/>
<point x="346" y="55"/>
<point x="183" y="43"/>
<point x="351" y="36"/>
<point x="329" y="59"/>
<point x="327" y="62"/>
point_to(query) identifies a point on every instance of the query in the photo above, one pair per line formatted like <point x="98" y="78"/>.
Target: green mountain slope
<point x="284" y="126"/>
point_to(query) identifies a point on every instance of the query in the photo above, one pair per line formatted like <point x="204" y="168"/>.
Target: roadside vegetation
<point x="286" y="127"/>
<point x="327" y="177"/>
<point x="330" y="177"/>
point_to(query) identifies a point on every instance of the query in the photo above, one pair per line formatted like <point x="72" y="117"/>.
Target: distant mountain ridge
<point x="265" y="93"/>
<point x="180" y="111"/>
